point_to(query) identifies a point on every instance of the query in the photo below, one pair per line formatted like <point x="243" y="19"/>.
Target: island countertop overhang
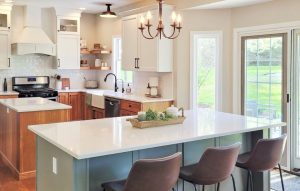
<point x="23" y="105"/>
<point x="94" y="138"/>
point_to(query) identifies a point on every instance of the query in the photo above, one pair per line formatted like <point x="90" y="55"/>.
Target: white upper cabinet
<point x="5" y="21"/>
<point x="5" y="50"/>
<point x="68" y="51"/>
<point x="141" y="54"/>
<point x="68" y="38"/>
<point x="129" y="42"/>
<point x="68" y="25"/>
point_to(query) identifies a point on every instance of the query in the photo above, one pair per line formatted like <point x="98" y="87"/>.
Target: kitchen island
<point x="17" y="143"/>
<point x="79" y="156"/>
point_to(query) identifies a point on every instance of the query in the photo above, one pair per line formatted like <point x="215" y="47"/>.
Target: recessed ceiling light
<point x="82" y="8"/>
<point x="9" y="1"/>
<point x="108" y="13"/>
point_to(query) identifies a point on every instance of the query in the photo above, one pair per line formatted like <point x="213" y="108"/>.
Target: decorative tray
<point x="157" y="123"/>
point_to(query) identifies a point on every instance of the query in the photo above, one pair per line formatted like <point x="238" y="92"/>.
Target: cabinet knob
<point x="9" y="62"/>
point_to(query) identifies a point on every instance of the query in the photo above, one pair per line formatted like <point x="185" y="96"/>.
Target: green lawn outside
<point x="258" y="93"/>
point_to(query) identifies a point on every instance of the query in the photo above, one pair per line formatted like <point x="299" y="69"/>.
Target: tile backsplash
<point x="40" y="65"/>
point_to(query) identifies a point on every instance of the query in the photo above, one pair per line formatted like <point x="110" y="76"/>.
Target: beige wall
<point x="88" y="31"/>
<point x="277" y="11"/>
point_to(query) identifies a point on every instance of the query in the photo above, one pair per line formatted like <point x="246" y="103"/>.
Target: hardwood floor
<point x="9" y="183"/>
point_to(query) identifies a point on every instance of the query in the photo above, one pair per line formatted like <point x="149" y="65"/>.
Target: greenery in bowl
<point x="155" y="116"/>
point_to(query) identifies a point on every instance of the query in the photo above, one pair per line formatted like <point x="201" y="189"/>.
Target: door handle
<point x="9" y="62"/>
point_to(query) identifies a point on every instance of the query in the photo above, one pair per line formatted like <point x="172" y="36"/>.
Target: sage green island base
<point x="80" y="156"/>
<point x="89" y="174"/>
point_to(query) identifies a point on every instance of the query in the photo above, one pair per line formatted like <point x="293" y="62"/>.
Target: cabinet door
<point x="98" y="113"/>
<point x="68" y="25"/>
<point x="124" y="113"/>
<point x="148" y="48"/>
<point x="130" y="42"/>
<point x="5" y="49"/>
<point x="63" y="98"/>
<point x="75" y="102"/>
<point x="68" y="51"/>
<point x="5" y="19"/>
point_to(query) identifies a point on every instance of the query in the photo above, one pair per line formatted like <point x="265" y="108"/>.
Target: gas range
<point x="34" y="86"/>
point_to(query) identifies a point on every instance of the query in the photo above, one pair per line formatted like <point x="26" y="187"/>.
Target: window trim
<point x="193" y="67"/>
<point x="114" y="68"/>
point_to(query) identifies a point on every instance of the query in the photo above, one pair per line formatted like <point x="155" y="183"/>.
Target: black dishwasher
<point x="112" y="107"/>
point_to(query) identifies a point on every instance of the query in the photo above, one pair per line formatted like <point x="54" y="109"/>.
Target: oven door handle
<point x="52" y="98"/>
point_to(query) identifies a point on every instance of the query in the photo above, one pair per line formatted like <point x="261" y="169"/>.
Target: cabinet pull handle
<point x="58" y="62"/>
<point x="137" y="63"/>
<point x="9" y="62"/>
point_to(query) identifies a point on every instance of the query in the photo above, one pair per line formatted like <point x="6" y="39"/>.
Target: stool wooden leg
<point x="203" y="188"/>
<point x="233" y="182"/>
<point x="280" y="171"/>
<point x="218" y="186"/>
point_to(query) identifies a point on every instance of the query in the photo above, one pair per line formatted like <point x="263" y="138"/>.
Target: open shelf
<point x="96" y="68"/>
<point x="93" y="52"/>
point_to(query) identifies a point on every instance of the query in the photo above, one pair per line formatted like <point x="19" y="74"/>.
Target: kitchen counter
<point x="88" y="139"/>
<point x="111" y="93"/>
<point x="18" y="143"/>
<point x="33" y="104"/>
<point x="89" y="153"/>
<point x="8" y="93"/>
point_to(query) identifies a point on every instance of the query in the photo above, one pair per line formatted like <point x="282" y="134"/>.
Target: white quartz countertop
<point x="118" y="95"/>
<point x="32" y="104"/>
<point x="88" y="139"/>
<point x="8" y="93"/>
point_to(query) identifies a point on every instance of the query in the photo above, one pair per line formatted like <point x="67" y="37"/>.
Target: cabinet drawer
<point x="127" y="113"/>
<point x="131" y="106"/>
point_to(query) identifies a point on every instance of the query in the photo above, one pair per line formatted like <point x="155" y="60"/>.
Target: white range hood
<point x="33" y="40"/>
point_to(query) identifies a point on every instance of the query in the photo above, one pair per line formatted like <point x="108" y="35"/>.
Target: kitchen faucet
<point x="123" y="89"/>
<point x="116" y="81"/>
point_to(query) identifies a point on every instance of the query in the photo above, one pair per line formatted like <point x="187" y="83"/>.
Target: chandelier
<point x="176" y="25"/>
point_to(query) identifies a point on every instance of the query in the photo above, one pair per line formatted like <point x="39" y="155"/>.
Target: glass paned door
<point x="264" y="78"/>
<point x="296" y="111"/>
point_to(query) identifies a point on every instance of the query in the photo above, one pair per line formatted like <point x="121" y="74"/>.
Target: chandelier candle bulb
<point x="142" y="21"/>
<point x="149" y="16"/>
<point x="179" y="20"/>
<point x="174" y="16"/>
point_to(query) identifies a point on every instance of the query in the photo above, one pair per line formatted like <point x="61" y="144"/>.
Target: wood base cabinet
<point x="77" y="101"/>
<point x="17" y="143"/>
<point x="130" y="108"/>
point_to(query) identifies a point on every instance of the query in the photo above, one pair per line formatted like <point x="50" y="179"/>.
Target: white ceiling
<point x="91" y="6"/>
<point x="225" y="4"/>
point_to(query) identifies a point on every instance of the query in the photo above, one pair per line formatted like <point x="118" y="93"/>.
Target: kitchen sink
<point x="96" y="99"/>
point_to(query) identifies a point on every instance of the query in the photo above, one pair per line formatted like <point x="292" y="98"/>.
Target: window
<point x="205" y="56"/>
<point x="126" y="76"/>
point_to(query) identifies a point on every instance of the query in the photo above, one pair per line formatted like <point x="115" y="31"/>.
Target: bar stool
<point x="265" y="156"/>
<point x="215" y="166"/>
<point x="149" y="175"/>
